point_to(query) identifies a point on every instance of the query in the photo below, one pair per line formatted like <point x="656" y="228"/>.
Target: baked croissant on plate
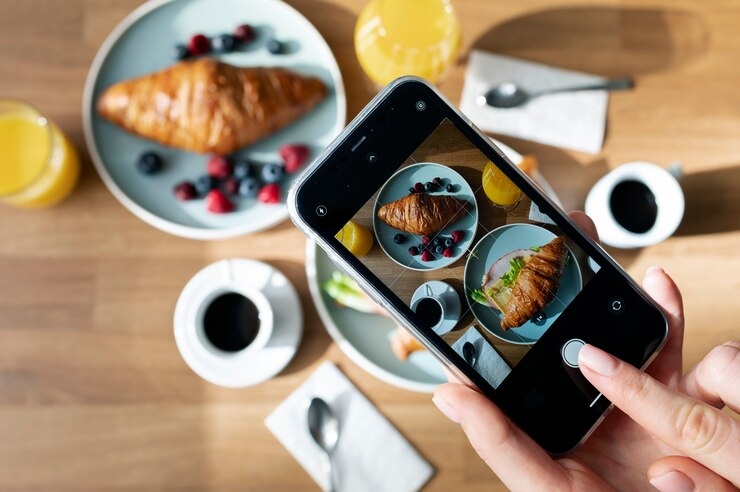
<point x="207" y="106"/>
<point x="536" y="285"/>
<point x="423" y="214"/>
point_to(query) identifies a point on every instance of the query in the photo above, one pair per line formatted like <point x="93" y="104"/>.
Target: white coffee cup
<point x="437" y="306"/>
<point x="637" y="204"/>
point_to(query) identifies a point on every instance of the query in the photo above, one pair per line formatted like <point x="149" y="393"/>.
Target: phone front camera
<point x="421" y="105"/>
<point x="372" y="157"/>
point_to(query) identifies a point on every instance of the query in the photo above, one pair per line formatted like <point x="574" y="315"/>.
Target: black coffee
<point x="428" y="312"/>
<point x="231" y="322"/>
<point x="633" y="206"/>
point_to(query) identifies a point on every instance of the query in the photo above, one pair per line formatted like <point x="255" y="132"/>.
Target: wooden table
<point x="93" y="393"/>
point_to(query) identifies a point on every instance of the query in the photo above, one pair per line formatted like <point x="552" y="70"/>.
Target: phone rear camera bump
<point x="421" y="105"/>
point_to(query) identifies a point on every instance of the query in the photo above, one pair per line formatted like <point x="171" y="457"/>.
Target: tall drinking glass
<point x="39" y="167"/>
<point x="407" y="37"/>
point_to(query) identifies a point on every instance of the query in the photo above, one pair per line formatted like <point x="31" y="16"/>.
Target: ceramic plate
<point x="365" y="338"/>
<point x="493" y="246"/>
<point x="397" y="187"/>
<point x="143" y="43"/>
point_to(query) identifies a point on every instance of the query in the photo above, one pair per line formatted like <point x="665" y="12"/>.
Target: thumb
<point x="679" y="473"/>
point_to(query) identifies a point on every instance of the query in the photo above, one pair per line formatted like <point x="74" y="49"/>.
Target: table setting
<point x="164" y="325"/>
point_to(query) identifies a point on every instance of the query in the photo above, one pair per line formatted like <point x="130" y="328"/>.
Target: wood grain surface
<point x="93" y="392"/>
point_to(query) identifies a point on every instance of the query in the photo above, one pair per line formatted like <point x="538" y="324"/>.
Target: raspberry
<point x="270" y="193"/>
<point x="199" y="45"/>
<point x="185" y="191"/>
<point x="293" y="156"/>
<point x="457" y="236"/>
<point x="426" y="240"/>
<point x="217" y="202"/>
<point x="244" y="33"/>
<point x="427" y="255"/>
<point x="219" y="167"/>
<point x="418" y="187"/>
<point x="447" y="253"/>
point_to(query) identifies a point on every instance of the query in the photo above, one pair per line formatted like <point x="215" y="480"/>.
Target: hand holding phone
<point x="473" y="259"/>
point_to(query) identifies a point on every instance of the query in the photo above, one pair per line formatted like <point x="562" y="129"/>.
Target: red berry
<point x="231" y="186"/>
<point x="414" y="251"/>
<point x="185" y="191"/>
<point x="270" y="193"/>
<point x="418" y="187"/>
<point x="199" y="45"/>
<point x="217" y="202"/>
<point x="426" y="240"/>
<point x="457" y="236"/>
<point x="427" y="255"/>
<point x="244" y="33"/>
<point x="219" y="167"/>
<point x="293" y="156"/>
<point x="447" y="253"/>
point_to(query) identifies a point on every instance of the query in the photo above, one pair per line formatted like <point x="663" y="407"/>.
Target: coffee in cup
<point x="231" y="321"/>
<point x="636" y="205"/>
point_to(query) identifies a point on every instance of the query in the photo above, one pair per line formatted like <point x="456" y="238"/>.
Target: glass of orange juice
<point x="407" y="37"/>
<point x="499" y="188"/>
<point x="39" y="167"/>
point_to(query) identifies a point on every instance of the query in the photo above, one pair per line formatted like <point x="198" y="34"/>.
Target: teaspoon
<point x="469" y="353"/>
<point x="324" y="428"/>
<point x="510" y="95"/>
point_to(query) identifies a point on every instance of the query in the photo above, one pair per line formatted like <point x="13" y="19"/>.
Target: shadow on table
<point x="601" y="40"/>
<point x="712" y="204"/>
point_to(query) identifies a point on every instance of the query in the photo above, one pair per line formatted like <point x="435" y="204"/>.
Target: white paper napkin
<point x="371" y="455"/>
<point x="488" y="363"/>
<point x="573" y="120"/>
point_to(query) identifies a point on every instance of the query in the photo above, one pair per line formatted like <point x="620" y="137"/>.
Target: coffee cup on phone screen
<point x="637" y="204"/>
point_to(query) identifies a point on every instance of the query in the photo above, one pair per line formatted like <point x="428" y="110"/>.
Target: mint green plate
<point x="142" y="43"/>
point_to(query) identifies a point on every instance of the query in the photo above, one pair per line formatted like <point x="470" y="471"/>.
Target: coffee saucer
<point x="279" y="309"/>
<point x="439" y="289"/>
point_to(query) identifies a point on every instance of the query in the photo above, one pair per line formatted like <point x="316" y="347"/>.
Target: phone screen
<point x="470" y="254"/>
<point x="477" y="260"/>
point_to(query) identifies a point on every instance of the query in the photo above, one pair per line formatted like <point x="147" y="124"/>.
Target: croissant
<point x="206" y="106"/>
<point x="422" y="214"/>
<point x="403" y="344"/>
<point x="536" y="284"/>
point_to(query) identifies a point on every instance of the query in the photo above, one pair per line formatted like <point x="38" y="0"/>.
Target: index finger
<point x="700" y="431"/>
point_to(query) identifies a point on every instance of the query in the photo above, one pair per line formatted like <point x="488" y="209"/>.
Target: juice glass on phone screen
<point x="39" y="167"/>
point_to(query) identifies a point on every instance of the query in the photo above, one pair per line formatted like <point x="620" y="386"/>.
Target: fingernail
<point x="597" y="360"/>
<point x="448" y="410"/>
<point x="654" y="269"/>
<point x="673" y="481"/>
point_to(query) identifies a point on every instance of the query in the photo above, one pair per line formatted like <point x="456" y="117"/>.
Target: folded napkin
<point x="488" y="362"/>
<point x="371" y="455"/>
<point x="573" y="120"/>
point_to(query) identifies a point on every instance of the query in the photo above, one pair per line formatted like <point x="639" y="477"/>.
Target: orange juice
<point x="39" y="167"/>
<point x="406" y="37"/>
<point x="499" y="188"/>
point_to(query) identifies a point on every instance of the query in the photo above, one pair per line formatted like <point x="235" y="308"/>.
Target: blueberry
<point x="224" y="43"/>
<point x="271" y="173"/>
<point x="428" y="186"/>
<point x="149" y="163"/>
<point x="206" y="183"/>
<point x="448" y="242"/>
<point x="449" y="188"/>
<point x="413" y="251"/>
<point x="249" y="187"/>
<point x="412" y="190"/>
<point x="439" y="249"/>
<point x="242" y="169"/>
<point x="437" y="181"/>
<point x="180" y="52"/>
<point x="274" y="46"/>
<point x="436" y="241"/>
<point x="399" y="239"/>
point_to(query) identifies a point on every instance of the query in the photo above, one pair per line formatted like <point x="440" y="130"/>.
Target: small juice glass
<point x="499" y="188"/>
<point x="39" y="167"/>
<point x="407" y="37"/>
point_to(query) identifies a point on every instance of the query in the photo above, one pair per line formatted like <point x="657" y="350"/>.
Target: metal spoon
<point x="469" y="353"/>
<point x="510" y="95"/>
<point x="324" y="428"/>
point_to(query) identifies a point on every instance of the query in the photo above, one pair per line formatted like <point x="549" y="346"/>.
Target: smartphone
<point x="475" y="260"/>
